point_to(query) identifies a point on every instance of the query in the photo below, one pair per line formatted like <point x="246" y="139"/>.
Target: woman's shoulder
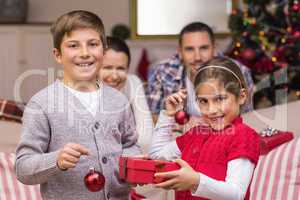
<point x="133" y="78"/>
<point x="112" y="93"/>
<point x="134" y="85"/>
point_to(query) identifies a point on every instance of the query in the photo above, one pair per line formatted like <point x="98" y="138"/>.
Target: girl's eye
<point x="201" y="100"/>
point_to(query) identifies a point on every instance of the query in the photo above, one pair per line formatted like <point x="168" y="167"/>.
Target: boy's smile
<point x="81" y="56"/>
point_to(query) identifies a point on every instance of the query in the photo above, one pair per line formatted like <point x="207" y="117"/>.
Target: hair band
<point x="226" y="69"/>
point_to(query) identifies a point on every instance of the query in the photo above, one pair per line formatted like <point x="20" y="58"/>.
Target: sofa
<point x="277" y="175"/>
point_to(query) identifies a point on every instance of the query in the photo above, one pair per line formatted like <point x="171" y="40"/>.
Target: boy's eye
<point x="72" y="45"/>
<point x="94" y="44"/>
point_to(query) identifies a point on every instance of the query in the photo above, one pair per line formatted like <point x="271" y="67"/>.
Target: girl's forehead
<point x="211" y="86"/>
<point x="211" y="83"/>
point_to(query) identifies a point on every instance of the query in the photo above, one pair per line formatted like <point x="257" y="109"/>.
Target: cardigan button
<point x="96" y="125"/>
<point x="104" y="160"/>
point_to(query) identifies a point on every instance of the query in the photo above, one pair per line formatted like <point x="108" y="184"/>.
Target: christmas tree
<point x="266" y="38"/>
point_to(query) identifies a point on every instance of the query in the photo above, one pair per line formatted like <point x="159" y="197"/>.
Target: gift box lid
<point x="150" y="165"/>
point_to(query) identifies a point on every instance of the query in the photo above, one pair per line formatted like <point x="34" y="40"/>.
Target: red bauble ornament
<point x="94" y="180"/>
<point x="296" y="7"/>
<point x="249" y="54"/>
<point x="296" y="33"/>
<point x="182" y="117"/>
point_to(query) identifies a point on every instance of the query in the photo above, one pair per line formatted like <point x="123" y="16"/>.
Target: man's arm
<point x="154" y="92"/>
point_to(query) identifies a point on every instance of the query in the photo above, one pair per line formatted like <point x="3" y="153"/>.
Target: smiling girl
<point x="218" y="158"/>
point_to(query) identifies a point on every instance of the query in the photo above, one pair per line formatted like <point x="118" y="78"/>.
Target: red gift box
<point x="141" y="171"/>
<point x="267" y="143"/>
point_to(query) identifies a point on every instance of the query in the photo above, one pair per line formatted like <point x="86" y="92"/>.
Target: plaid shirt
<point x="11" y="111"/>
<point x="168" y="76"/>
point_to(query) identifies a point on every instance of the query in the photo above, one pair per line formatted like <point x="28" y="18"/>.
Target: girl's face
<point x="218" y="106"/>
<point x="114" y="69"/>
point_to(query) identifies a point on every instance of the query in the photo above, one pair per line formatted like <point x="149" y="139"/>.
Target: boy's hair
<point x="74" y="20"/>
<point x="196" y="27"/>
<point x="225" y="71"/>
<point x="118" y="45"/>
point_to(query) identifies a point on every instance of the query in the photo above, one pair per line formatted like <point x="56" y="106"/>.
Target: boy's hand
<point x="175" y="102"/>
<point x="183" y="179"/>
<point x="69" y="155"/>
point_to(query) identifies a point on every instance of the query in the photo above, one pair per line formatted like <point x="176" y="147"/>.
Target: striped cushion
<point x="10" y="187"/>
<point x="277" y="174"/>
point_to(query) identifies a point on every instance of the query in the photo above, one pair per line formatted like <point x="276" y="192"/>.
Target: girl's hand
<point x="69" y="155"/>
<point x="175" y="102"/>
<point x="183" y="179"/>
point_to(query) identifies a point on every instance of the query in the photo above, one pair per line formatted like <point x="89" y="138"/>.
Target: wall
<point x="112" y="12"/>
<point x="23" y="41"/>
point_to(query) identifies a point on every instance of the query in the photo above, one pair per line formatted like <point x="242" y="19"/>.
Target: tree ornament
<point x="271" y="8"/>
<point x="94" y="180"/>
<point x="295" y="6"/>
<point x="296" y="33"/>
<point x="234" y="12"/>
<point x="182" y="117"/>
<point x="249" y="54"/>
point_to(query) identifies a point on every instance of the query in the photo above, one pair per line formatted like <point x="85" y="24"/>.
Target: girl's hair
<point x="225" y="71"/>
<point x="118" y="45"/>
<point x="74" y="20"/>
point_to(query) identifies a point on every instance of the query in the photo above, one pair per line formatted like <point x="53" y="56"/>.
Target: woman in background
<point x="114" y="72"/>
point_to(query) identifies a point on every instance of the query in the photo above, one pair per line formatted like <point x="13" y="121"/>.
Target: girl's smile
<point x="218" y="106"/>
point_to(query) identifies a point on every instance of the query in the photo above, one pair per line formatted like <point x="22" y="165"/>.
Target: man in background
<point x="196" y="46"/>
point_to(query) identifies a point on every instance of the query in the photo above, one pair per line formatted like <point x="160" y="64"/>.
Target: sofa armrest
<point x="277" y="174"/>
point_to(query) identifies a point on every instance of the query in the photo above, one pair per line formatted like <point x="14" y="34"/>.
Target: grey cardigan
<point x="54" y="117"/>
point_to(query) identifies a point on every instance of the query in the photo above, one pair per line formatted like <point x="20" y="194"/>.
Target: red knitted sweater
<point x="209" y="151"/>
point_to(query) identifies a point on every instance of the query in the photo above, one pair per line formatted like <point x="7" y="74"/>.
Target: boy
<point x="75" y="124"/>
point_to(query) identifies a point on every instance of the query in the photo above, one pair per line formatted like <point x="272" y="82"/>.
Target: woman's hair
<point x="225" y="71"/>
<point x="118" y="45"/>
<point x="75" y="20"/>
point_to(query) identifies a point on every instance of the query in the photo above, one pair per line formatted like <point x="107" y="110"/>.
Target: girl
<point x="218" y="158"/>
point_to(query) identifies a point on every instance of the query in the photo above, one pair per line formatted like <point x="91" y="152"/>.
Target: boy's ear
<point x="243" y="96"/>
<point x="57" y="55"/>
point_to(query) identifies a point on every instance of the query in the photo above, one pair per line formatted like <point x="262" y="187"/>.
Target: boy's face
<point x="81" y="57"/>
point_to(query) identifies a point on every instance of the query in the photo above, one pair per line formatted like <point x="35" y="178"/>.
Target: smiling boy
<point x="74" y="123"/>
